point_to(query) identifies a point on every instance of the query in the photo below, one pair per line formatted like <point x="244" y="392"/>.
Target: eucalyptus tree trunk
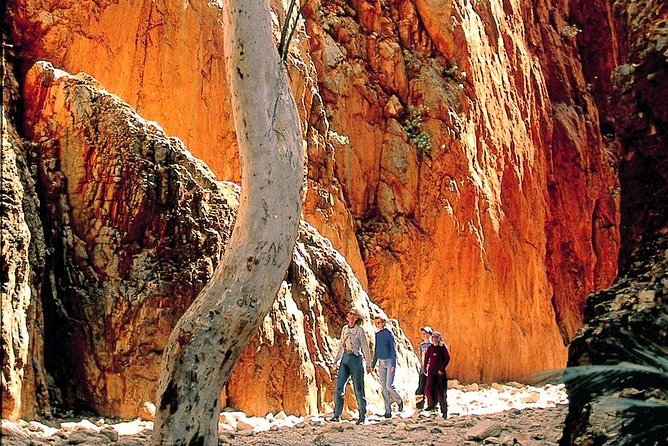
<point x="214" y="331"/>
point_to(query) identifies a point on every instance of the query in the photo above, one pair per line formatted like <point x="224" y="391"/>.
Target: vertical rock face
<point x="137" y="225"/>
<point x="582" y="184"/>
<point x="140" y="51"/>
<point x="167" y="62"/>
<point x="22" y="257"/>
<point x="628" y="322"/>
<point x="640" y="114"/>
<point x="138" y="228"/>
<point x="456" y="155"/>
<point x="478" y="172"/>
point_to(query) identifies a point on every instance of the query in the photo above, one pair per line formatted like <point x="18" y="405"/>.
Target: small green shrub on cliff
<point x="413" y="127"/>
<point x="570" y="31"/>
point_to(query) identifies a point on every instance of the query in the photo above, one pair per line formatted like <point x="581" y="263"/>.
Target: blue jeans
<point x="351" y="366"/>
<point x="386" y="372"/>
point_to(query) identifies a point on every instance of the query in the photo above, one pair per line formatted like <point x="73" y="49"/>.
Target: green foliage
<point x="411" y="60"/>
<point x="413" y="127"/>
<point x="423" y="142"/>
<point x="451" y="72"/>
<point x="570" y="31"/>
<point x="638" y="422"/>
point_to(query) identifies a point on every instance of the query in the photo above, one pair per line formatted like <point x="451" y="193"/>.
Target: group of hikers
<point x="354" y="351"/>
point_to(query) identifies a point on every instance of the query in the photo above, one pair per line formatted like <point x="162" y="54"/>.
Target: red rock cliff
<point x="455" y="150"/>
<point x="495" y="217"/>
<point x="137" y="226"/>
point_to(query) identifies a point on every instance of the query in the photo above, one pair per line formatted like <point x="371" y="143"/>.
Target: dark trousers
<point x="419" y="392"/>
<point x="437" y="391"/>
<point x="351" y="367"/>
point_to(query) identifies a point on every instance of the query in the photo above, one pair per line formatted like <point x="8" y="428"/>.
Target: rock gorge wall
<point x="492" y="228"/>
<point x="640" y="113"/>
<point x="455" y="151"/>
<point x="627" y="323"/>
<point x="462" y="155"/>
<point x="167" y="62"/>
<point x="137" y="226"/>
<point x="22" y="268"/>
<point x="624" y="324"/>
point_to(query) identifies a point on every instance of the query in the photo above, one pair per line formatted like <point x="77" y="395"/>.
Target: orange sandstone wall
<point x="165" y="58"/>
<point x="496" y="230"/>
<point x="455" y="154"/>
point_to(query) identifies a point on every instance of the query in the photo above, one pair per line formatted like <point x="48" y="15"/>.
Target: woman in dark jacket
<point x="435" y="362"/>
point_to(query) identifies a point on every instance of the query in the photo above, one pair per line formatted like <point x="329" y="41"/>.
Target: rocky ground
<point x="501" y="414"/>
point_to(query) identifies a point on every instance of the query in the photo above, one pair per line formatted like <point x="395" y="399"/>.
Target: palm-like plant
<point x="633" y="394"/>
<point x="641" y="415"/>
<point x="617" y="378"/>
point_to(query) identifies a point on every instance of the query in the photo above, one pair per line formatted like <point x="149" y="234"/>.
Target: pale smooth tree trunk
<point x="212" y="334"/>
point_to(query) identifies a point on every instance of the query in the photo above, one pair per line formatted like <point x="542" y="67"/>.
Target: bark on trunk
<point x="214" y="331"/>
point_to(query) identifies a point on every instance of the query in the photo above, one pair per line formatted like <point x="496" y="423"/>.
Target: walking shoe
<point x="334" y="419"/>
<point x="387" y="415"/>
<point x="360" y="421"/>
<point x="401" y="405"/>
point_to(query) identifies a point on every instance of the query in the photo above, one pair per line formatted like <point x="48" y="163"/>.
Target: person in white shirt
<point x="425" y="332"/>
<point x="353" y="346"/>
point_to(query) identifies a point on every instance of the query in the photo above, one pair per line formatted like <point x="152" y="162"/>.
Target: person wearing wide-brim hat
<point x="353" y="348"/>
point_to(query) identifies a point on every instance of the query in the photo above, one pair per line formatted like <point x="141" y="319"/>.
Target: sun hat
<point x="357" y="313"/>
<point x="437" y="335"/>
<point x="426" y="329"/>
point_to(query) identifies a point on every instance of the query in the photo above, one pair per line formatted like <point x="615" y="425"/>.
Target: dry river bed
<point x="511" y="414"/>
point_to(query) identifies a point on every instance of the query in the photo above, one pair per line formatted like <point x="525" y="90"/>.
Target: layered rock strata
<point x="167" y="62"/>
<point x="139" y="225"/>
<point x="476" y="167"/>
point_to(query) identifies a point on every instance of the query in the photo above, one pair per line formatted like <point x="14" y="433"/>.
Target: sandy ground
<point x="501" y="414"/>
<point x="525" y="427"/>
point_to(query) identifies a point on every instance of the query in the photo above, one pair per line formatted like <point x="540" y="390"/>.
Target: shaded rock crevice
<point x="24" y="258"/>
<point x="627" y="323"/>
<point x="624" y="324"/>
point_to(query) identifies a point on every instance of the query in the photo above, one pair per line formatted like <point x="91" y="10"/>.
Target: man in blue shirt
<point x="385" y="354"/>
